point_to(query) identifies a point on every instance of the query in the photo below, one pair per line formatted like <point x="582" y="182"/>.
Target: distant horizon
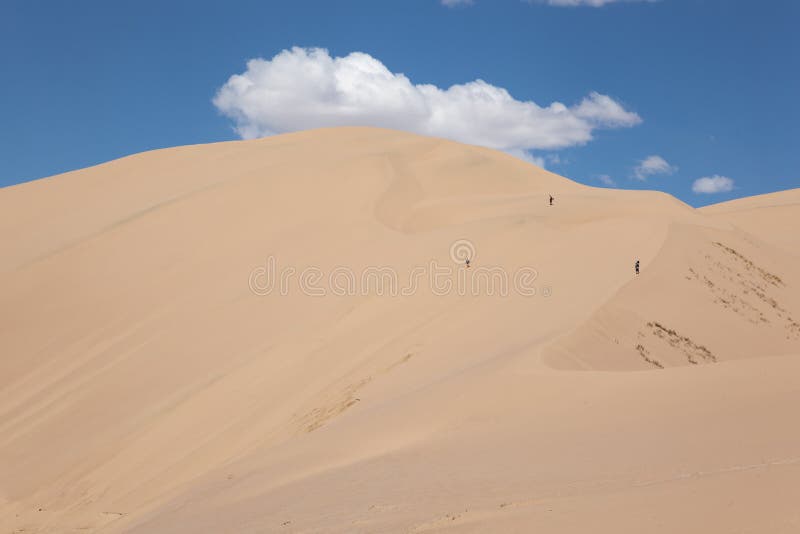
<point x="711" y="203"/>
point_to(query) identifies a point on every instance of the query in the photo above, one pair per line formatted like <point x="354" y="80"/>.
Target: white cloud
<point x="557" y="3"/>
<point x="554" y="159"/>
<point x="307" y="88"/>
<point x="652" y="165"/>
<point x="712" y="184"/>
<point x="607" y="180"/>
<point x="590" y="3"/>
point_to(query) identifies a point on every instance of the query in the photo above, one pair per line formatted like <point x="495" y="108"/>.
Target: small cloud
<point x="652" y="165"/>
<point x="455" y="3"/>
<point x="577" y="3"/>
<point x="602" y="109"/>
<point x="712" y="184"/>
<point x="607" y="181"/>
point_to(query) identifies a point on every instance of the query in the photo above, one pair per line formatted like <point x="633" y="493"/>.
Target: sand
<point x="148" y="385"/>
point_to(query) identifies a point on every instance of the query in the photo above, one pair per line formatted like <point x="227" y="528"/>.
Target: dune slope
<point x="768" y="217"/>
<point x="249" y="337"/>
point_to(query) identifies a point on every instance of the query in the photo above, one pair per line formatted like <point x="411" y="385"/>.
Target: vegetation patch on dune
<point x="339" y="401"/>
<point x="645" y="354"/>
<point x="744" y="288"/>
<point x="750" y="266"/>
<point x="689" y="348"/>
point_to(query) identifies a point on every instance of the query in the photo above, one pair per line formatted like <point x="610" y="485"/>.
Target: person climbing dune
<point x="636" y="266"/>
<point x="551" y="200"/>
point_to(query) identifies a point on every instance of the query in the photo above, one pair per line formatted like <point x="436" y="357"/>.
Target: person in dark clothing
<point x="637" y="266"/>
<point x="551" y="200"/>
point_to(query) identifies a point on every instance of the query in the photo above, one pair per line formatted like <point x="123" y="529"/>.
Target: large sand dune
<point x="146" y="386"/>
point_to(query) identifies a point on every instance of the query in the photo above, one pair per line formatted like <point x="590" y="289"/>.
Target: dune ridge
<point x="146" y="387"/>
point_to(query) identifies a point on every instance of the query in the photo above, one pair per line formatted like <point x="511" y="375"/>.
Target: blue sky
<point x="709" y="86"/>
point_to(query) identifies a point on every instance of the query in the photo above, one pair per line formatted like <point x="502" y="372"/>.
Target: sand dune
<point x="768" y="217"/>
<point x="148" y="385"/>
